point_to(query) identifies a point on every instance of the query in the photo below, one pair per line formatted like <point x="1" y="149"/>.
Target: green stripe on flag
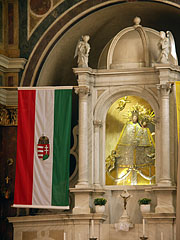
<point x="61" y="147"/>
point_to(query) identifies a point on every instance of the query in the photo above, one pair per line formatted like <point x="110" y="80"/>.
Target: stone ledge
<point x="11" y="64"/>
<point x="160" y="218"/>
<point x="57" y="219"/>
<point x="81" y="190"/>
<point x="160" y="188"/>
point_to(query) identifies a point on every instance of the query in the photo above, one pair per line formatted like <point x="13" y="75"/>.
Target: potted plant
<point x="144" y="205"/>
<point x="100" y="204"/>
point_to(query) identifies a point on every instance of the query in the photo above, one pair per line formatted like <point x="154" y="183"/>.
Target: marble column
<point x="97" y="125"/>
<point x="83" y="92"/>
<point x="165" y="177"/>
<point x="164" y="190"/>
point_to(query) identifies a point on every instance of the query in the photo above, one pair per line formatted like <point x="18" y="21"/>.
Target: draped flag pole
<point x="43" y="147"/>
<point x="178" y="167"/>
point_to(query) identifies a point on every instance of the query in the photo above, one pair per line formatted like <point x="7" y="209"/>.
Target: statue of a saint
<point x="82" y="51"/>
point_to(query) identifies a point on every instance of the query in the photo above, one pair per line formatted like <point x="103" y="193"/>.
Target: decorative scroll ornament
<point x="84" y="90"/>
<point x="165" y="88"/>
<point x="8" y="116"/>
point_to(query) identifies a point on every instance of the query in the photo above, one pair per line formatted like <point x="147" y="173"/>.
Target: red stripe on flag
<point x="25" y="147"/>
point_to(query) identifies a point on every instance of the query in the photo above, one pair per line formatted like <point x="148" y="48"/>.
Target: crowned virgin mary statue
<point x="133" y="159"/>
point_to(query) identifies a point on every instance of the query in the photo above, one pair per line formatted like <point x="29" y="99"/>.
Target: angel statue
<point x="82" y="51"/>
<point x="167" y="47"/>
<point x="164" y="47"/>
<point x="172" y="53"/>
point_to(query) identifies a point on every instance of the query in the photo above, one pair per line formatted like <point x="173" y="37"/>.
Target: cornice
<point x="11" y="64"/>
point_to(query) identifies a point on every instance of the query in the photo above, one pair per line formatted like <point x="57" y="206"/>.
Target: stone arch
<point x="56" y="31"/>
<point x="110" y="96"/>
<point x="102" y="107"/>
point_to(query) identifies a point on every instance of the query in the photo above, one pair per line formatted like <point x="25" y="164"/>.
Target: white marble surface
<point x="78" y="227"/>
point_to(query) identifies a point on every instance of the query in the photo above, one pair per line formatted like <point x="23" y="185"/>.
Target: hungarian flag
<point x="43" y="148"/>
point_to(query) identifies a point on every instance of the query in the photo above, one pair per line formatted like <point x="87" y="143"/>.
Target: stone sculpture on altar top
<point x="82" y="51"/>
<point x="167" y="48"/>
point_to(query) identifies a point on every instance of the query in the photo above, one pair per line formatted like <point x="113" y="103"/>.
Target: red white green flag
<point x="43" y="148"/>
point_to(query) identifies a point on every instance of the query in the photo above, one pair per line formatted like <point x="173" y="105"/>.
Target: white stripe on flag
<point x="44" y="124"/>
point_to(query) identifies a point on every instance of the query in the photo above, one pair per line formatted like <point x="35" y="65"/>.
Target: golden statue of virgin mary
<point x="134" y="156"/>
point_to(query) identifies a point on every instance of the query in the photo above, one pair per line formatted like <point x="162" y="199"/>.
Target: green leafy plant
<point x="144" y="201"/>
<point x="100" y="201"/>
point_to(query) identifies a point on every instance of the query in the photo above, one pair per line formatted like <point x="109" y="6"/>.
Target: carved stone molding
<point x="8" y="116"/>
<point x="9" y="98"/>
<point x="82" y="90"/>
<point x="97" y="123"/>
<point x="11" y="64"/>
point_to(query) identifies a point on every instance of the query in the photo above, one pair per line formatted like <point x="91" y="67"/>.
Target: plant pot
<point x="145" y="208"/>
<point x="100" y="208"/>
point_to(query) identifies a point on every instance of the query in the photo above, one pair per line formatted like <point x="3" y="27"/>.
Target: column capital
<point x="84" y="90"/>
<point x="165" y="88"/>
<point x="97" y="123"/>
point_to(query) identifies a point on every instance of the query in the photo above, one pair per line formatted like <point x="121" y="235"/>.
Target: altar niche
<point x="130" y="142"/>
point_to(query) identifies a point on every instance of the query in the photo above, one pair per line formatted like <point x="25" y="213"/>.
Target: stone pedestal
<point x="164" y="201"/>
<point x="160" y="223"/>
<point x="75" y="226"/>
<point x="82" y="200"/>
<point x="124" y="222"/>
<point x="164" y="197"/>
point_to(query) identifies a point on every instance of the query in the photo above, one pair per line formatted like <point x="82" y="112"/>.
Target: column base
<point x="97" y="186"/>
<point x="164" y="198"/>
<point x="165" y="182"/>
<point x="82" y="185"/>
<point x="82" y="200"/>
<point x="164" y="209"/>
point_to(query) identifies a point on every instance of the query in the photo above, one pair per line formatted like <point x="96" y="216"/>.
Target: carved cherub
<point x="110" y="161"/>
